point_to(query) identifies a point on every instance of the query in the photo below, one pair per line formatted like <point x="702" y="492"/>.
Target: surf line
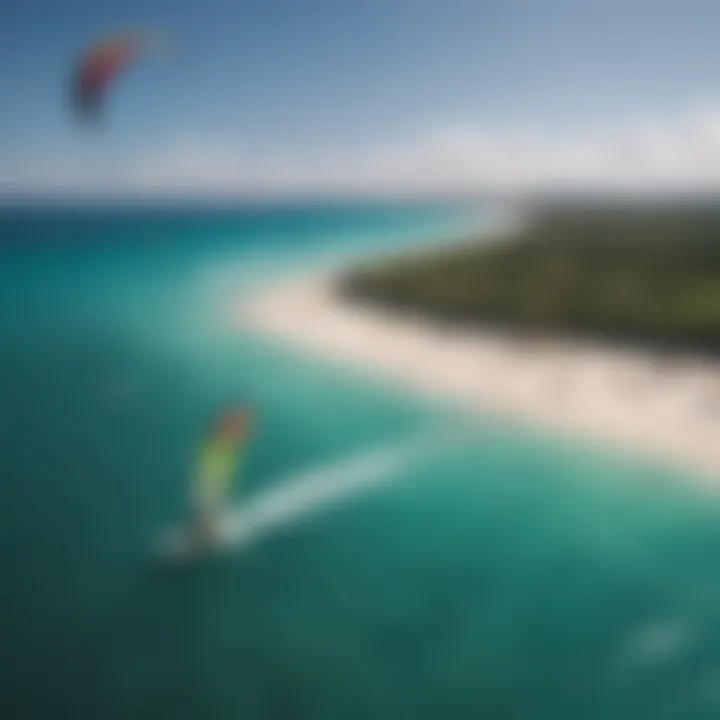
<point x="316" y="490"/>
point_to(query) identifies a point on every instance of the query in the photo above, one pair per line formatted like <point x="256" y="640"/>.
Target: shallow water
<point x="502" y="575"/>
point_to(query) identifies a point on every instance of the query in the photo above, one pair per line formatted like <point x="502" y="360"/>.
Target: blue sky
<point x="299" y="84"/>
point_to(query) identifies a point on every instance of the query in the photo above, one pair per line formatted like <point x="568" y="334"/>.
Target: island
<point x="598" y="322"/>
<point x="647" y="276"/>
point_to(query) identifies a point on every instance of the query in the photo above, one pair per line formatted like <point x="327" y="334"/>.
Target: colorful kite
<point x="100" y="66"/>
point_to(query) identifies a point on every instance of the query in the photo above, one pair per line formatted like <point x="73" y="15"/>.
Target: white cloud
<point x="638" y="154"/>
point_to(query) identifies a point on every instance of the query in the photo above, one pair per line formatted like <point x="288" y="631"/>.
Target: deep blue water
<point x="507" y="575"/>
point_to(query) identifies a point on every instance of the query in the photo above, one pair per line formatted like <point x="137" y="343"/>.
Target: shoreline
<point x="609" y="394"/>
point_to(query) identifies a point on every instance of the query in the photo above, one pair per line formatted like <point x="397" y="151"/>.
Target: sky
<point x="368" y="96"/>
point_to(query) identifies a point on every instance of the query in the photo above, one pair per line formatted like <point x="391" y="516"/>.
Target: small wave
<point x="659" y="642"/>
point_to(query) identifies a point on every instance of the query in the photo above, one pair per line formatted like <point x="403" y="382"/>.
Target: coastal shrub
<point x="643" y="274"/>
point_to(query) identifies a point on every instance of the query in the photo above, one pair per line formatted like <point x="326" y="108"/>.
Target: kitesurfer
<point x="217" y="464"/>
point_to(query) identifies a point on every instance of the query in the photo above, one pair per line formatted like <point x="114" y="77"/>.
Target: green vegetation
<point x="643" y="275"/>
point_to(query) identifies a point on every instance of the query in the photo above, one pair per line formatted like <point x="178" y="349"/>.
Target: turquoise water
<point x="501" y="575"/>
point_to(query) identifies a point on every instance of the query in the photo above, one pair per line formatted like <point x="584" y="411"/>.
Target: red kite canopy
<point x="99" y="67"/>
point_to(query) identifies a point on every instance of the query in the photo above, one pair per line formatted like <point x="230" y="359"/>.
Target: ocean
<point x="399" y="560"/>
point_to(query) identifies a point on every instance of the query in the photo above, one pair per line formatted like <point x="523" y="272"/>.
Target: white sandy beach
<point x="607" y="394"/>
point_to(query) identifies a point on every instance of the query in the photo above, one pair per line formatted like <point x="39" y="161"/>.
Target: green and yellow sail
<point x="219" y="459"/>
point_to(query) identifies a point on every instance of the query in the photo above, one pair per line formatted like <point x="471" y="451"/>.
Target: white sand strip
<point x="597" y="392"/>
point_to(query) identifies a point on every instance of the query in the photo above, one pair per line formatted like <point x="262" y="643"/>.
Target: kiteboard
<point x="179" y="545"/>
<point x="182" y="544"/>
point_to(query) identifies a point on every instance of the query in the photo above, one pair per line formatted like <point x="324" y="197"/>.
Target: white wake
<point x="297" y="498"/>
